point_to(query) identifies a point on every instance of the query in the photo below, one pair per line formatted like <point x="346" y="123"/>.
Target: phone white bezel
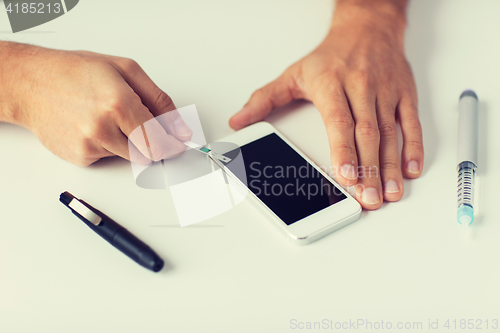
<point x="313" y="226"/>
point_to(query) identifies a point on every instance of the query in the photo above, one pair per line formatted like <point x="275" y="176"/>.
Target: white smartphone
<point x="299" y="198"/>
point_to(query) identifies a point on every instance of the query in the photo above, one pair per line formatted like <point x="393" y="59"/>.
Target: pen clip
<point x="85" y="212"/>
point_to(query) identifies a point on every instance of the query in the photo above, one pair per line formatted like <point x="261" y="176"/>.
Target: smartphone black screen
<point x="284" y="181"/>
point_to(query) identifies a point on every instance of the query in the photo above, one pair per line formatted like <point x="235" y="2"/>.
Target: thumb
<point x="273" y="95"/>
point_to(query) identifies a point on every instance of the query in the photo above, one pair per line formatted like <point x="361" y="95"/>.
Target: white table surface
<point x="406" y="262"/>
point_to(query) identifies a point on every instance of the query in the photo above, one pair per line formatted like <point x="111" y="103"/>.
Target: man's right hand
<point x="84" y="106"/>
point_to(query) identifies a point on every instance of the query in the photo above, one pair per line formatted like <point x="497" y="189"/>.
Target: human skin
<point x="84" y="106"/>
<point x="362" y="84"/>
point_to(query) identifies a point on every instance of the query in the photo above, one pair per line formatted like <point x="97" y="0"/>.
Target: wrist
<point x="376" y="16"/>
<point x="6" y="108"/>
<point x="14" y="81"/>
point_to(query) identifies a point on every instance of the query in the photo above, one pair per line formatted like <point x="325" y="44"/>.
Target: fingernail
<point x="413" y="167"/>
<point x="181" y="128"/>
<point x="370" y="196"/>
<point x="348" y="171"/>
<point x="391" y="187"/>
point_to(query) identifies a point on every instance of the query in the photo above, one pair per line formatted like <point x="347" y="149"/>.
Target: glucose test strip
<point x="207" y="151"/>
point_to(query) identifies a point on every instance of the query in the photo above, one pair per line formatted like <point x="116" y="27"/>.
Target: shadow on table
<point x="420" y="47"/>
<point x="482" y="185"/>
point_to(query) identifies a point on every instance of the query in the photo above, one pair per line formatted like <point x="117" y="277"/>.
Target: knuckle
<point x="84" y="150"/>
<point x="258" y="94"/>
<point x="115" y="108"/>
<point x="327" y="77"/>
<point x="389" y="165"/>
<point x="386" y="81"/>
<point x="261" y="95"/>
<point x="409" y="102"/>
<point x="163" y="101"/>
<point x="344" y="149"/>
<point x="367" y="129"/>
<point x="326" y="90"/>
<point x="91" y="131"/>
<point x="128" y="65"/>
<point x="388" y="130"/>
<point x="363" y="79"/>
<point x="414" y="145"/>
<point x="340" y="119"/>
<point x="328" y="81"/>
<point x="387" y="108"/>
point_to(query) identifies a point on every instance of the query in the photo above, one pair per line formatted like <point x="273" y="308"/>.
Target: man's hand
<point x="85" y="106"/>
<point x="361" y="82"/>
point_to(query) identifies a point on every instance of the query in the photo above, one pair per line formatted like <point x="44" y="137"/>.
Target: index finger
<point x="156" y="100"/>
<point x="330" y="99"/>
<point x="147" y="134"/>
